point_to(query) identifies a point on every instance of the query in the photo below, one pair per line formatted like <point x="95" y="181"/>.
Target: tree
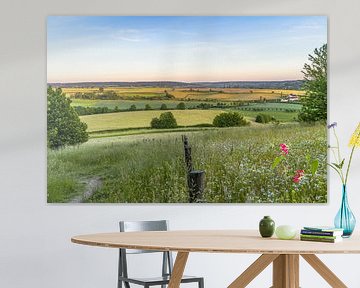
<point x="147" y="107"/>
<point x="315" y="84"/>
<point x="181" y="106"/>
<point x="168" y="95"/>
<point x="165" y="121"/>
<point x="132" y="107"/>
<point x="63" y="123"/>
<point x="229" y="119"/>
<point x="163" y="107"/>
<point x="263" y="118"/>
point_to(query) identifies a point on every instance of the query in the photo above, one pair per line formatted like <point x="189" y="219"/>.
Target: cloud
<point x="129" y="35"/>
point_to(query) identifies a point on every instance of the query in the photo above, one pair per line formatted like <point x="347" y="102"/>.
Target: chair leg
<point x="201" y="283"/>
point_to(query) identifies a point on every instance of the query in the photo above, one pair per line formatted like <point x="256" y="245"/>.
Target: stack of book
<point x="321" y="234"/>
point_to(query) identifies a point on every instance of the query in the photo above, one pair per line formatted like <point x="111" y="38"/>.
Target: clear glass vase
<point x="345" y="219"/>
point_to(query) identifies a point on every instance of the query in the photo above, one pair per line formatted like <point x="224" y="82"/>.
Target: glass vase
<point x="345" y="219"/>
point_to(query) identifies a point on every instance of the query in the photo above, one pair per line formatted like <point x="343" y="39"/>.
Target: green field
<point x="156" y="104"/>
<point x="278" y="115"/>
<point x="138" y="119"/>
<point x="130" y="122"/>
<point x="273" y="106"/>
<point x="151" y="169"/>
<point x="126" y="104"/>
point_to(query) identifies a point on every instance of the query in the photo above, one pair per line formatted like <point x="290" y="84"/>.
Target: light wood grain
<point x="221" y="241"/>
<point x="178" y="269"/>
<point x="279" y="272"/>
<point x="253" y="270"/>
<point x="324" y="271"/>
<point x="286" y="271"/>
<point x="293" y="270"/>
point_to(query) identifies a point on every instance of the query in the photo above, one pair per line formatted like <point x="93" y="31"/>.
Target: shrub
<point x="155" y="123"/>
<point x="229" y="119"/>
<point x="132" y="107"/>
<point x="181" y="106"/>
<point x="263" y="118"/>
<point x="147" y="107"/>
<point x="165" y="121"/>
<point x="163" y="107"/>
<point x="204" y="106"/>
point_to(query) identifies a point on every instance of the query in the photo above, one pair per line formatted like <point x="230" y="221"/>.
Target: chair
<point x="167" y="262"/>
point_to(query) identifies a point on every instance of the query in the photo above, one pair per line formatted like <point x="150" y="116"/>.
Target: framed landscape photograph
<point x="187" y="109"/>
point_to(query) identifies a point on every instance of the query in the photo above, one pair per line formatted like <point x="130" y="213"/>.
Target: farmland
<point x="130" y="162"/>
<point x="130" y="122"/>
<point x="133" y="108"/>
<point x="197" y="94"/>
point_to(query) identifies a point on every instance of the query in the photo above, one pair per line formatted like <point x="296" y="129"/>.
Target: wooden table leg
<point x="324" y="271"/>
<point x="178" y="270"/>
<point x="253" y="270"/>
<point x="286" y="271"/>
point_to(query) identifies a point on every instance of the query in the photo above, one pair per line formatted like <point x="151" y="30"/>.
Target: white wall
<point x="35" y="248"/>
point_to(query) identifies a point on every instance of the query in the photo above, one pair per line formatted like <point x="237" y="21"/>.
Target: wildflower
<point x="298" y="176"/>
<point x="332" y="125"/>
<point x="284" y="149"/>
<point x="339" y="165"/>
<point x="355" y="138"/>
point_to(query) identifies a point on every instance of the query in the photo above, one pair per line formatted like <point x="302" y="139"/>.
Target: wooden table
<point x="284" y="254"/>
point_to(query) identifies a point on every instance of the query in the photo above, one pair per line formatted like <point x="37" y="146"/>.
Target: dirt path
<point x="92" y="185"/>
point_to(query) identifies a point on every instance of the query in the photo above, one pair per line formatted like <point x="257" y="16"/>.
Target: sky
<point x="181" y="48"/>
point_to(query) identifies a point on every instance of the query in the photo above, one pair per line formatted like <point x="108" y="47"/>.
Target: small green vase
<point x="267" y="227"/>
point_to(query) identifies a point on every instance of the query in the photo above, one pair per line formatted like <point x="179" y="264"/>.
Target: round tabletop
<point x="220" y="241"/>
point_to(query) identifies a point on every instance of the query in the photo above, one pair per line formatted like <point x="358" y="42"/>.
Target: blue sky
<point x="146" y="48"/>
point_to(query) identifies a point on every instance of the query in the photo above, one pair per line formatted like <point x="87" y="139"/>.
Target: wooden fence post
<point x="195" y="178"/>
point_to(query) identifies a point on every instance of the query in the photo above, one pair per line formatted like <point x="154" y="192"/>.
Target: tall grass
<point x="151" y="168"/>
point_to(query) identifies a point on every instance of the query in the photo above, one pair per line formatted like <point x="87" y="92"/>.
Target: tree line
<point x="112" y="95"/>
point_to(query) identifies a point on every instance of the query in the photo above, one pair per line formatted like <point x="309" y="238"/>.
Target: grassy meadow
<point x="150" y="168"/>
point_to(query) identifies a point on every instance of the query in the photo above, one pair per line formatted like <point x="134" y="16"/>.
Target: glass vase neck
<point x="344" y="196"/>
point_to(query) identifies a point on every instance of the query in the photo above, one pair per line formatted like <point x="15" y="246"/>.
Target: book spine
<point x="317" y="239"/>
<point x="319" y="233"/>
<point x="319" y="236"/>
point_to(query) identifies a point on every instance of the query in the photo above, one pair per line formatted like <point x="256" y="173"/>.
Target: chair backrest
<point x="137" y="226"/>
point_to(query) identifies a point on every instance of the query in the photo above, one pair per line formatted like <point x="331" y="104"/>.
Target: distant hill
<point x="290" y="84"/>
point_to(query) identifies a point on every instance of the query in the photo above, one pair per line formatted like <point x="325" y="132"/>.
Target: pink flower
<point x="284" y="149"/>
<point x="299" y="174"/>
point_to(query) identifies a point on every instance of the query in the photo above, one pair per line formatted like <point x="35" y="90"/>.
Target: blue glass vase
<point x="345" y="219"/>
